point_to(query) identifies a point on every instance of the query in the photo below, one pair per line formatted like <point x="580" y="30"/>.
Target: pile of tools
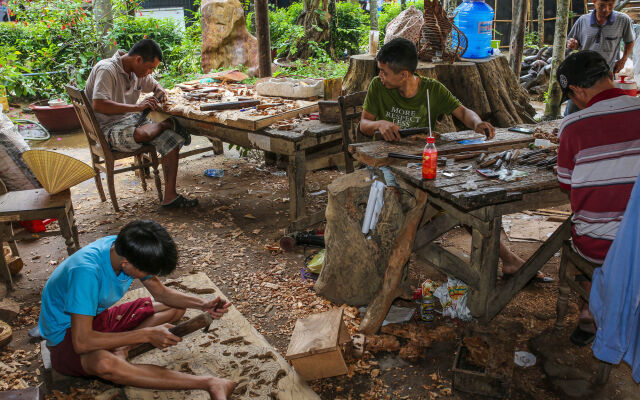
<point x="505" y="158"/>
<point x="543" y="158"/>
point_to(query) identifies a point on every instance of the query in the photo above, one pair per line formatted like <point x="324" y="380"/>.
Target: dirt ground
<point x="229" y="236"/>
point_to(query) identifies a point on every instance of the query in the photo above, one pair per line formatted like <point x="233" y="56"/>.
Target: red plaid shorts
<point x="122" y="318"/>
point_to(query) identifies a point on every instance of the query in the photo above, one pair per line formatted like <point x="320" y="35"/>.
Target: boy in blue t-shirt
<point x="88" y="336"/>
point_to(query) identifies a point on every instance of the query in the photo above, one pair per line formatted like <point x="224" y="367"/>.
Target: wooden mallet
<point x="203" y="320"/>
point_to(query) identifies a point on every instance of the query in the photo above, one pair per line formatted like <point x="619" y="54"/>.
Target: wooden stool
<point x="27" y="205"/>
<point x="567" y="282"/>
<point x="315" y="348"/>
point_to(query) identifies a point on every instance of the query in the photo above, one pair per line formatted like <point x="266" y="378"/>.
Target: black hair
<point x="400" y="54"/>
<point x="148" y="247"/>
<point x="148" y="49"/>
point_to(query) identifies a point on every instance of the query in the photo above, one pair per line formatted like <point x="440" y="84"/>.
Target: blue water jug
<point x="475" y="20"/>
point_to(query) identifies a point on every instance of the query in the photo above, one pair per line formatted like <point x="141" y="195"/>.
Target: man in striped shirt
<point x="598" y="160"/>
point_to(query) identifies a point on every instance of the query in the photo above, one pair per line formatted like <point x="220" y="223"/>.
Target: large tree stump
<point x="486" y="86"/>
<point x="355" y="264"/>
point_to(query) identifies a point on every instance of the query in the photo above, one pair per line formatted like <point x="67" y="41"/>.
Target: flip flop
<point x="180" y="130"/>
<point x="581" y="337"/>
<point x="181" y="202"/>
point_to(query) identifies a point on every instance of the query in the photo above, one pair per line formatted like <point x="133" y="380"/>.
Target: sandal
<point x="581" y="338"/>
<point x="181" y="202"/>
<point x="180" y="130"/>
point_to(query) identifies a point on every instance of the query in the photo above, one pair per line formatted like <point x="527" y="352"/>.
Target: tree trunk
<point x="517" y="35"/>
<point x="552" y="109"/>
<point x="450" y="6"/>
<point x="373" y="14"/>
<point x="332" y="29"/>
<point x="403" y="4"/>
<point x="103" y="14"/>
<point x="315" y="19"/>
<point x="540" y="23"/>
<point x="264" y="38"/>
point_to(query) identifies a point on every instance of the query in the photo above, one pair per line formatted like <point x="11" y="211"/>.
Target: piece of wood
<point x="30" y="393"/>
<point x="314" y="349"/>
<point x="518" y="25"/>
<point x="229" y="105"/>
<point x="362" y="68"/>
<point x="296" y="172"/>
<point x="540" y="23"/>
<point x="449" y="263"/>
<point x="329" y="111"/>
<point x="9" y="309"/>
<point x="232" y="349"/>
<point x="400" y="254"/>
<point x="264" y="38"/>
<point x="552" y="108"/>
<point x="182" y="329"/>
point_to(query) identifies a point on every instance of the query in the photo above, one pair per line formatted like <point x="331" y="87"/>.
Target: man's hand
<point x="150" y="102"/>
<point x="573" y="44"/>
<point x="619" y="65"/>
<point x="389" y="131"/>
<point x="160" y="337"/>
<point x="216" y="307"/>
<point x="485" y="128"/>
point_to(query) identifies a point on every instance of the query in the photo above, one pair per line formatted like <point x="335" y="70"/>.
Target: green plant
<point x="531" y="40"/>
<point x="350" y="30"/>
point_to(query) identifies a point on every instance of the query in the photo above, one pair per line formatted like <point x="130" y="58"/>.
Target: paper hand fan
<point x="56" y="172"/>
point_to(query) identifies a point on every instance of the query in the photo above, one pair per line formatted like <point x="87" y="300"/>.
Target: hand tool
<point x="203" y="320"/>
<point x="143" y="115"/>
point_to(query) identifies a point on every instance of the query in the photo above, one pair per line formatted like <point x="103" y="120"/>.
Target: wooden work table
<point x="310" y="145"/>
<point x="480" y="209"/>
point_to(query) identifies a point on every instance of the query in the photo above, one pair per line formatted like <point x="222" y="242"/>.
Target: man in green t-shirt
<point x="397" y="97"/>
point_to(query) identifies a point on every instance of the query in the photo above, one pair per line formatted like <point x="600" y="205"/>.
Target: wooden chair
<point x="350" y="112"/>
<point x="566" y="283"/>
<point x="103" y="158"/>
<point x="27" y="205"/>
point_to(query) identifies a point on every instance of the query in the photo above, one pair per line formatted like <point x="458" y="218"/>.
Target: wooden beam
<point x="264" y="38"/>
<point x="518" y="25"/>
<point x="528" y="270"/>
<point x="484" y="260"/>
<point x="449" y="263"/>
<point x="434" y="229"/>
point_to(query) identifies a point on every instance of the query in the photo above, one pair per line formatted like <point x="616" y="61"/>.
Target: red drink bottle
<point x="429" y="159"/>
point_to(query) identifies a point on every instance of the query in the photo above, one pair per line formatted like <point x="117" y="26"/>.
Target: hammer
<point x="203" y="320"/>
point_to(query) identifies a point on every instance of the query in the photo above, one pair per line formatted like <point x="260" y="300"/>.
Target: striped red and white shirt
<point x="598" y="162"/>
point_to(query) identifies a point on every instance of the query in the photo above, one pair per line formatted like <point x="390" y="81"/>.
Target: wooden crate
<point x="487" y="381"/>
<point x="315" y="349"/>
<point x="329" y="111"/>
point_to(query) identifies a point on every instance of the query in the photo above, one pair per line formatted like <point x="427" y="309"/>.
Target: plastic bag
<point x="316" y="263"/>
<point x="453" y="298"/>
<point x="408" y="25"/>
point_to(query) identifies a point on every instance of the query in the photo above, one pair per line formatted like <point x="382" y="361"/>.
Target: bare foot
<point x="511" y="264"/>
<point x="219" y="388"/>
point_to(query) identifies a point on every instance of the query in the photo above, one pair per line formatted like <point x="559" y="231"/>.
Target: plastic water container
<point x="475" y="20"/>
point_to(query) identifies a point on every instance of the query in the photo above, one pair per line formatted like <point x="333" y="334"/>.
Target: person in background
<point x="598" y="161"/>
<point x="602" y="31"/>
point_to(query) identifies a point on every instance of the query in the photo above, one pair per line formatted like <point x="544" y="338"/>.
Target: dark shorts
<point x="122" y="318"/>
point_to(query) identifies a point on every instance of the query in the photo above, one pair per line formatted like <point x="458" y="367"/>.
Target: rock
<point x="529" y="51"/>
<point x="354" y="266"/>
<point x="9" y="309"/>
<point x="226" y="42"/>
<point x="541" y="78"/>
<point x="548" y="51"/>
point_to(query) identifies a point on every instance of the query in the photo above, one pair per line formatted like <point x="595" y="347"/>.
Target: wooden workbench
<point x="310" y="145"/>
<point x="482" y="210"/>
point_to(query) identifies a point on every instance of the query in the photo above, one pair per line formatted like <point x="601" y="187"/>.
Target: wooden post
<point x="400" y="254"/>
<point x="264" y="38"/>
<point x="552" y="109"/>
<point x="516" y="48"/>
<point x="540" y="23"/>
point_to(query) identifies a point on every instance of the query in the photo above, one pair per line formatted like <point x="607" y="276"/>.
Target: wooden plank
<point x="500" y="298"/>
<point x="449" y="263"/>
<point x="434" y="229"/>
<point x="24" y="202"/>
<point x="231" y="349"/>
<point x="318" y="333"/>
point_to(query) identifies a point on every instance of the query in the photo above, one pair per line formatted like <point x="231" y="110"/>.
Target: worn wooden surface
<point x="376" y="153"/>
<point x="232" y="349"/>
<point x="318" y="333"/>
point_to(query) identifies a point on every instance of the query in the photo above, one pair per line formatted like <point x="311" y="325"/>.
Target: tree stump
<point x="355" y="264"/>
<point x="487" y="86"/>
